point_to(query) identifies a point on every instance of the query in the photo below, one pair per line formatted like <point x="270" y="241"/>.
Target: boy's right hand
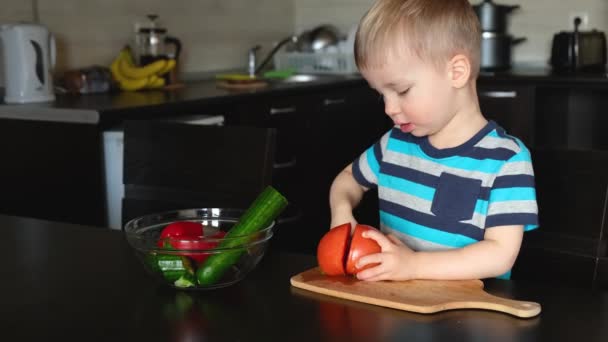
<point x="337" y="220"/>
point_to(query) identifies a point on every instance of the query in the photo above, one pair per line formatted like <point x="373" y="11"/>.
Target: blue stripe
<point x="513" y="194"/>
<point x="408" y="187"/>
<point x="481" y="207"/>
<point x="462" y="163"/>
<point x="514" y="181"/>
<point x="412" y="175"/>
<point x="358" y="175"/>
<point x="425" y="233"/>
<point x="401" y="173"/>
<point x="465" y="229"/>
<point x="522" y="156"/>
<point x="530" y="221"/>
<point x="378" y="152"/>
<point x="500" y="153"/>
<point x="373" y="163"/>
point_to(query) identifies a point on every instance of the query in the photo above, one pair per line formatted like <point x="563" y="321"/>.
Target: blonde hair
<point x="433" y="30"/>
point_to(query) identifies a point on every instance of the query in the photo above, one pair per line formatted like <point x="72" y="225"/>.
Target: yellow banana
<point x="170" y="65"/>
<point x="135" y="72"/>
<point x="155" y="82"/>
<point x="124" y="82"/>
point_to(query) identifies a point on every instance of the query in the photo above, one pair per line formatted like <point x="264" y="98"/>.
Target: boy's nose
<point x="391" y="108"/>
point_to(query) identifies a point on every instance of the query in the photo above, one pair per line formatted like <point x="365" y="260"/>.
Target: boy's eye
<point x="404" y="91"/>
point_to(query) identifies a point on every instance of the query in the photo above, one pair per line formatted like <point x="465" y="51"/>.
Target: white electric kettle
<point x="28" y="56"/>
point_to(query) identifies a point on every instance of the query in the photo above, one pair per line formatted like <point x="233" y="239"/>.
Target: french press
<point x="152" y="42"/>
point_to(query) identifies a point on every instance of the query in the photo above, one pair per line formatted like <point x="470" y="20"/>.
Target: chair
<point x="170" y="165"/>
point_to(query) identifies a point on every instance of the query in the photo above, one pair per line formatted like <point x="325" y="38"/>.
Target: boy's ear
<point x="459" y="70"/>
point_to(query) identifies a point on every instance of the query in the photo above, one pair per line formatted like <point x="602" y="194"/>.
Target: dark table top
<point x="62" y="281"/>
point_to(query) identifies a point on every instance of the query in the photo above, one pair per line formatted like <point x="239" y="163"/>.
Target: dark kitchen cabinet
<point x="349" y="121"/>
<point x="571" y="193"/>
<point x="511" y="106"/>
<point x="289" y="115"/>
<point x="318" y="134"/>
<point x="601" y="279"/>
<point x="52" y="171"/>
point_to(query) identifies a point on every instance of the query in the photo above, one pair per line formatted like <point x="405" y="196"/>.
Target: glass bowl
<point x="203" y="261"/>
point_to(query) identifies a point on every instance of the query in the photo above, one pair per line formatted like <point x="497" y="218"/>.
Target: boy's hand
<point x="395" y="260"/>
<point x="341" y="215"/>
<point x="342" y="220"/>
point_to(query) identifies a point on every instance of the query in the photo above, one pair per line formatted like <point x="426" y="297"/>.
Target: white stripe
<point x="366" y="170"/>
<point x="513" y="207"/>
<point x="495" y="142"/>
<point x="517" y="168"/>
<point x="435" y="169"/>
<point x="412" y="242"/>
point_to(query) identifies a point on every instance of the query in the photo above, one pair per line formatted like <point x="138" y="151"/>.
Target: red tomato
<point x="332" y="249"/>
<point x="337" y="253"/>
<point x="360" y="246"/>
<point x="179" y="229"/>
<point x="188" y="235"/>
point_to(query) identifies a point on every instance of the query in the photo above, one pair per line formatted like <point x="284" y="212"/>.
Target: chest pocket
<point x="455" y="197"/>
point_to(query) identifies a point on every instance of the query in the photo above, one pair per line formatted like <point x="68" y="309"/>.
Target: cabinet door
<point x="52" y="171"/>
<point x="289" y="116"/>
<point x="571" y="189"/>
<point x="511" y="106"/>
<point x="350" y="120"/>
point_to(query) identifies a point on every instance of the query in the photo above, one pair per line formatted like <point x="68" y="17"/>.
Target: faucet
<point x="251" y="66"/>
<point x="253" y="70"/>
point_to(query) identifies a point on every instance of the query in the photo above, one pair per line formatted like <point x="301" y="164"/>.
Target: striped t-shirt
<point x="436" y="199"/>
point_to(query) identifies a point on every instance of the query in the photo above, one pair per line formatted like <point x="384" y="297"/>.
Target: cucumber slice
<point x="266" y="207"/>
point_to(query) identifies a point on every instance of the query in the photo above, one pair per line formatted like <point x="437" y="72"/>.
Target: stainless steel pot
<point x="496" y="50"/>
<point x="493" y="17"/>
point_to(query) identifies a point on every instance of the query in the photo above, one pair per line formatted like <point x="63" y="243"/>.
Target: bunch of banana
<point x="131" y="77"/>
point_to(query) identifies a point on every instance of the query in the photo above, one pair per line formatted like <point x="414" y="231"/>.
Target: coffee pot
<point x="28" y="59"/>
<point x="152" y="42"/>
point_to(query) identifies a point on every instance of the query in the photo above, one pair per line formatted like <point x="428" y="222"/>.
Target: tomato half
<point x="187" y="235"/>
<point x="360" y="246"/>
<point x="332" y="249"/>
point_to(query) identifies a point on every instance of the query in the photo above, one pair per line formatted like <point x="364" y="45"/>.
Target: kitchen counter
<point x="112" y="107"/>
<point x="109" y="109"/>
<point x="63" y="281"/>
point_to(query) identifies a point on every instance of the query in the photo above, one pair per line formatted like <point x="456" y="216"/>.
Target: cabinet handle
<point x="499" y="94"/>
<point x="290" y="163"/>
<point x="330" y="102"/>
<point x="283" y="110"/>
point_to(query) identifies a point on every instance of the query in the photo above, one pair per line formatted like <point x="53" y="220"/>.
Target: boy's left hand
<point x="395" y="261"/>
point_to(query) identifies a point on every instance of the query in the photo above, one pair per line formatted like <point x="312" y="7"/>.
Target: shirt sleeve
<point x="512" y="199"/>
<point x="366" y="167"/>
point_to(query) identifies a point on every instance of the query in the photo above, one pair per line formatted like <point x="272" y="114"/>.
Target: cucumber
<point x="174" y="268"/>
<point x="266" y="207"/>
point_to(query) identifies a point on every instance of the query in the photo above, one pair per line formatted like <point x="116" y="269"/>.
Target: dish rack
<point x="318" y="62"/>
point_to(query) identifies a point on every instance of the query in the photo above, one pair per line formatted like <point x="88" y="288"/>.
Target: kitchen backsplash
<point x="216" y="34"/>
<point x="537" y="20"/>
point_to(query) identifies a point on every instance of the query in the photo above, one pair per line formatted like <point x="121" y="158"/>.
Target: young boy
<point x="455" y="191"/>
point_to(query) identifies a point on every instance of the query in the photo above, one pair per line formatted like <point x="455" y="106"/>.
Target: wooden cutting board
<point x="422" y="296"/>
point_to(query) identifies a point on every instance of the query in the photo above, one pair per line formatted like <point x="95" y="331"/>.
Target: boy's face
<point x="417" y="96"/>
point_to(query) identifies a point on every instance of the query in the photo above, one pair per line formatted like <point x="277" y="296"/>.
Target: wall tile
<point x="215" y="34"/>
<point x="537" y="20"/>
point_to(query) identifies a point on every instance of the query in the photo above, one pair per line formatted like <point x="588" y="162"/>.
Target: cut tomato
<point x="360" y="246"/>
<point x="337" y="253"/>
<point x="332" y="249"/>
